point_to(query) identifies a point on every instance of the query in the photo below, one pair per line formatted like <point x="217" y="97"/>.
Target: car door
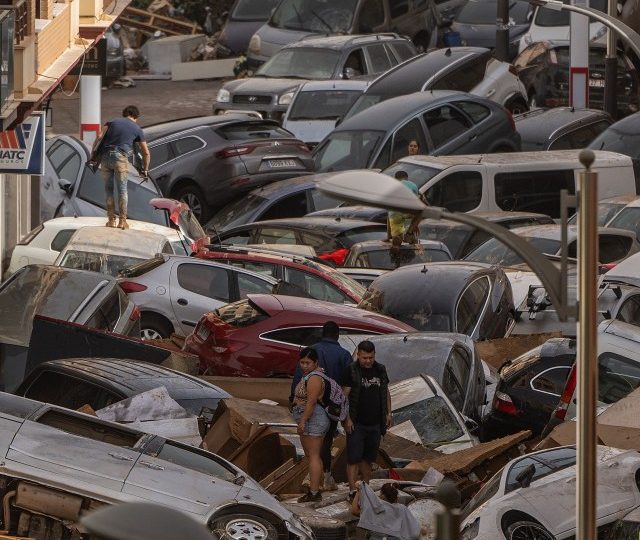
<point x="450" y="131"/>
<point x="195" y="289"/>
<point x="63" y="163"/>
<point x="471" y="307"/>
<point x="397" y="144"/>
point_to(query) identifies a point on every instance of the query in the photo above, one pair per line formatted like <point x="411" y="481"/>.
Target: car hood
<point x="262" y="85"/>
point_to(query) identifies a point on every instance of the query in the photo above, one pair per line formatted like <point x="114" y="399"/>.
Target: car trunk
<point x="272" y="156"/>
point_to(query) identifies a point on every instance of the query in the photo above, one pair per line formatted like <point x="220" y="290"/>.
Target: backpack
<point x="335" y="403"/>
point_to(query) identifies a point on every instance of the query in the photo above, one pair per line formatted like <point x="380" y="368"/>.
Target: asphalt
<point x="158" y="101"/>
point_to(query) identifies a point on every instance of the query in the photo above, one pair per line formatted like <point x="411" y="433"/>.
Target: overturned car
<point x="56" y="465"/>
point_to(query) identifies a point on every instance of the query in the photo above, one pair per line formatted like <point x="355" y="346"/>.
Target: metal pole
<point x="448" y="521"/>
<point x="611" y="68"/>
<point x="502" y="31"/>
<point x="587" y="348"/>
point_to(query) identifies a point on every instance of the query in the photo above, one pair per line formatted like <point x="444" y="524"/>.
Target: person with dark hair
<point x="312" y="419"/>
<point x="334" y="360"/>
<point x="413" y="148"/>
<point x="366" y="384"/>
<point x="112" y="151"/>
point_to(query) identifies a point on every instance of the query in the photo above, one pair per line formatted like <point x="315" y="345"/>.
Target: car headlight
<point x="224" y="96"/>
<point x="470" y="530"/>
<point x="526" y="39"/>
<point x="285" y="99"/>
<point x="255" y="44"/>
<point x="601" y="32"/>
<point x="295" y="526"/>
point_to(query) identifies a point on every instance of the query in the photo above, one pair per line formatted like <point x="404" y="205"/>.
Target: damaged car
<point x="380" y="254"/>
<point x="47" y="487"/>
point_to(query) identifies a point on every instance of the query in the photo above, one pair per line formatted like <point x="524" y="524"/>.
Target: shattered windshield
<point x="318" y="16"/>
<point x="433" y="420"/>
<point x="495" y="252"/>
<point x="98" y="262"/>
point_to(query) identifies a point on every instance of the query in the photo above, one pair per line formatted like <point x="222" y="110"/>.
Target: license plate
<point x="599" y="83"/>
<point x="281" y="163"/>
<point x="203" y="332"/>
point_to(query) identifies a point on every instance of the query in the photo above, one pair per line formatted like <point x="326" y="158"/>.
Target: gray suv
<point x="270" y="91"/>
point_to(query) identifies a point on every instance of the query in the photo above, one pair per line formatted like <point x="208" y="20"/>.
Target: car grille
<point x="262" y="100"/>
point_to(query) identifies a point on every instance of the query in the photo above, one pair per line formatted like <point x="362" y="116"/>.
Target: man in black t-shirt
<point x="367" y="386"/>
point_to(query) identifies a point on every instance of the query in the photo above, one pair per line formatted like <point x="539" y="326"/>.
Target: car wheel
<point x="244" y="527"/>
<point x="527" y="530"/>
<point x="193" y="196"/>
<point x="154" y="327"/>
<point x="516" y="106"/>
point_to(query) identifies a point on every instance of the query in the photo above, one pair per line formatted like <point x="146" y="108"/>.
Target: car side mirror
<point x="526" y="475"/>
<point x="607" y="314"/>
<point x="348" y="73"/>
<point x="65" y="185"/>
<point x="471" y="425"/>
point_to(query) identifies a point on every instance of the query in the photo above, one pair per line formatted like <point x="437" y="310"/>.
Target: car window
<point x="533" y="191"/>
<point x="412" y="130"/>
<point x="58" y="153"/>
<point x="452" y="388"/>
<point x="160" y="154"/>
<point x="630" y="310"/>
<point x="355" y="61"/>
<point x="302" y="336"/>
<point x="551" y="381"/>
<point x="272" y="235"/>
<point x="486" y="492"/>
<point x="354" y="236"/>
<point x="267" y="269"/>
<point x="613" y="247"/>
<point x="470" y="305"/>
<point x="460" y="365"/>
<point x="248" y="284"/>
<point x="465" y="76"/>
<point x="107" y="314"/>
<point x="378" y="58"/>
<point x="347" y="150"/>
<point x="205" y="280"/>
<point x="292" y="206"/>
<point x="70" y="392"/>
<point x="403" y="51"/>
<point x="444" y="124"/>
<point x="195" y="459"/>
<point x="302" y="62"/>
<point x="477" y="239"/>
<point x="476" y="112"/>
<point x="187" y="144"/>
<point x="314" y="286"/>
<point x="371" y="15"/>
<point x="322" y="201"/>
<point x="457" y="192"/>
<point x="617" y="377"/>
<point x="319" y="242"/>
<point x="322" y="104"/>
<point x="70" y="168"/>
<point x="61" y="239"/>
<point x="240" y="238"/>
<point x="545" y="463"/>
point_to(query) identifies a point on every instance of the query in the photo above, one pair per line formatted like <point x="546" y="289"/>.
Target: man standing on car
<point x="115" y="147"/>
<point x="334" y="360"/>
<point x="367" y="386"/>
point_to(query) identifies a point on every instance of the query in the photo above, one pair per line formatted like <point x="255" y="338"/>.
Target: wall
<point x="15" y="212"/>
<point x="53" y="39"/>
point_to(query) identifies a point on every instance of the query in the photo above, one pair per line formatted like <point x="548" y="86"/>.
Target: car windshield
<point x="433" y="420"/>
<point x="618" y="141"/>
<point x="552" y="17"/>
<point x="140" y="192"/>
<point x="347" y="150"/>
<point x="495" y="252"/>
<point x="482" y="12"/>
<point x="253" y="10"/>
<point x="386" y="259"/>
<point x="97" y="262"/>
<point x="301" y="63"/>
<point x="322" y="104"/>
<point x="235" y="213"/>
<point x="418" y="174"/>
<point x="488" y="491"/>
<point x="364" y="102"/>
<point x="347" y="282"/>
<point x="318" y="16"/>
<point x="453" y="237"/>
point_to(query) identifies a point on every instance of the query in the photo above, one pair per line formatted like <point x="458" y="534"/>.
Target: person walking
<point x="112" y="152"/>
<point x="334" y="360"/>
<point x="366" y="385"/>
<point x="312" y="419"/>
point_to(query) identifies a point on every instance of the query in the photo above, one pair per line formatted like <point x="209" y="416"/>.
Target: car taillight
<point x="132" y="286"/>
<point x="202" y="331"/>
<point x="232" y="151"/>
<point x="338" y="256"/>
<point x="503" y="403"/>
<point x="135" y="314"/>
<point x="569" y="388"/>
<point x="606" y="267"/>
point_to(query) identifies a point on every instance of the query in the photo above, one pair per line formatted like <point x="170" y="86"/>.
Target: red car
<point x="262" y="335"/>
<point x="316" y="280"/>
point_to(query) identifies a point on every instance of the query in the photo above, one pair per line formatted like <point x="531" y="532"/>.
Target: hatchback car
<point x="441" y="121"/>
<point x="468" y="69"/>
<point x="628" y="218"/>
<point x="272" y="87"/>
<point x="471" y="299"/>
<point x="206" y="162"/>
<point x="560" y="128"/>
<point x="330" y="238"/>
<point x="262" y="336"/>
<point x="380" y="254"/>
<point x="622" y="137"/>
<point x="543" y="67"/>
<point x="99" y="382"/>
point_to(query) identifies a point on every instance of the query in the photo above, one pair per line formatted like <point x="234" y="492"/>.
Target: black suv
<point x="206" y="162"/>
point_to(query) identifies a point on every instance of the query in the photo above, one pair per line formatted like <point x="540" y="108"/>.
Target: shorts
<point x="363" y="443"/>
<point x="318" y="423"/>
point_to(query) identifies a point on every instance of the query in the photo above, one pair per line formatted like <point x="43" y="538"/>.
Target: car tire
<point x="193" y="196"/>
<point x="243" y="527"/>
<point x="527" y="530"/>
<point x="516" y="105"/>
<point x="154" y="327"/>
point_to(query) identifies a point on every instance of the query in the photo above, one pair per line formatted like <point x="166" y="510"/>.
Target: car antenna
<point x="405" y="338"/>
<point x="448" y="52"/>
<point x="424" y="269"/>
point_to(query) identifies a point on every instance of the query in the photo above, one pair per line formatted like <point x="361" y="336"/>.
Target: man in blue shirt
<point x="112" y="152"/>
<point x="334" y="359"/>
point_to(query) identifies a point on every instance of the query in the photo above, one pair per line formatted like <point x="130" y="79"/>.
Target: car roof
<point x="131" y="242"/>
<point x="544" y="124"/>
<point x="554" y="232"/>
<point x="157" y="131"/>
<point x="626" y="199"/>
<point x="622" y="329"/>
<point x="498" y="216"/>
<point x="288" y="184"/>
<point x="410" y="75"/>
<point x="338" y="42"/>
<point x="335" y="84"/>
<point x="326" y="225"/>
<point x="391" y="111"/>
<point x="628" y="125"/>
<point x="371" y="245"/>
<point x="76" y="222"/>
<point x="633" y="202"/>
<point x="133" y="377"/>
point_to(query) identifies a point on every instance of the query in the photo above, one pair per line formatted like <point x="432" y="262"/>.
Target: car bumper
<point x="268" y="111"/>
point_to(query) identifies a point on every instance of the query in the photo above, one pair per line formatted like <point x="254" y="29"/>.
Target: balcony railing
<point x="23" y="17"/>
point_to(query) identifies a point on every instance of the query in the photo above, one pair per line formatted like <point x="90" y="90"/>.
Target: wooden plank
<point x="277" y="473"/>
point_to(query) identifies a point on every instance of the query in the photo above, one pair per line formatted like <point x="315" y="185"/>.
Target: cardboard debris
<point x="254" y="389"/>
<point x="398" y="447"/>
<point x="406" y="430"/>
<point x="496" y="352"/>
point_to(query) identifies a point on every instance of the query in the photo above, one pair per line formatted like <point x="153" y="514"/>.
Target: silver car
<point x="43" y="481"/>
<point x="173" y="292"/>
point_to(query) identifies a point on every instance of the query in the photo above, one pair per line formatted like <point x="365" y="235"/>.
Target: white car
<point x="553" y="25"/>
<point x="534" y="496"/>
<point x="44" y="243"/>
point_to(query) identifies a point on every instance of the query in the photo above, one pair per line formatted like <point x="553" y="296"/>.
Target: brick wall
<point x="53" y="39"/>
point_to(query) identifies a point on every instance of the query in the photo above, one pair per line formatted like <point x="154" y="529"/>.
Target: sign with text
<point x="22" y="148"/>
<point x="95" y="61"/>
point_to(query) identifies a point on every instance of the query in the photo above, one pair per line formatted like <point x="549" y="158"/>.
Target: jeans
<point x="317" y="425"/>
<point x="114" y="167"/>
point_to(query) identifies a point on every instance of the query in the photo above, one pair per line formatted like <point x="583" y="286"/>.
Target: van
<point x="522" y="181"/>
<point x="293" y="20"/>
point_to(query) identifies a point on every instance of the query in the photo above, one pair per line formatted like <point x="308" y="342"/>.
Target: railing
<point x="151" y="22"/>
<point x="23" y="18"/>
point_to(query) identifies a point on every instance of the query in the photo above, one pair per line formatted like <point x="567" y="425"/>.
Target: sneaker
<point x="329" y="484"/>
<point x="310" y="497"/>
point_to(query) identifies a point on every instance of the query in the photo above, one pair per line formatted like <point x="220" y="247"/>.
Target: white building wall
<point x="15" y="213"/>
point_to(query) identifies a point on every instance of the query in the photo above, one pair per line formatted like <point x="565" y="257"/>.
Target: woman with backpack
<point x="311" y="417"/>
